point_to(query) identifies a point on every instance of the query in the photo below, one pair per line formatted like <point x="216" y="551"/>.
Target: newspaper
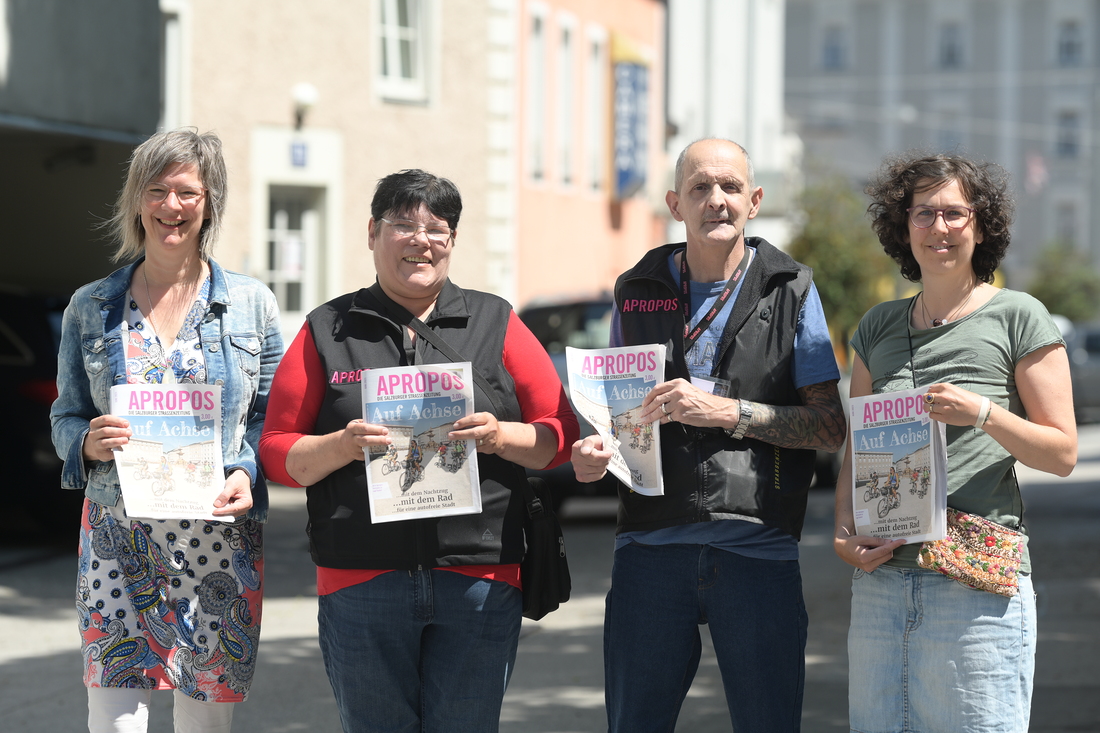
<point x="899" y="467"/>
<point x="607" y="387"/>
<point x="421" y="473"/>
<point x="171" y="468"/>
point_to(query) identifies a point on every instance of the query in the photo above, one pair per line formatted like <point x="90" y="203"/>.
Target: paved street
<point x="557" y="686"/>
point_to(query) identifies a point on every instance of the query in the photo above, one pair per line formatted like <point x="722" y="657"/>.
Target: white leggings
<point x="126" y="710"/>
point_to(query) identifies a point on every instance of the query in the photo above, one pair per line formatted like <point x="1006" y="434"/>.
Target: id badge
<point x="712" y="385"/>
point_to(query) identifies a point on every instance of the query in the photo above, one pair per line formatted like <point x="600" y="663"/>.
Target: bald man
<point x="751" y="395"/>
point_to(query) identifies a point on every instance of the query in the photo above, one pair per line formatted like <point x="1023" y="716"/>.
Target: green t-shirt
<point x="978" y="353"/>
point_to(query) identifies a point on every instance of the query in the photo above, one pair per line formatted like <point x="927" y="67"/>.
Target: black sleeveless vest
<point x="709" y="475"/>
<point x="355" y="332"/>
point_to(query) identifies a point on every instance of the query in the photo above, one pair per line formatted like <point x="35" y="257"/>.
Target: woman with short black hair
<point x="418" y="619"/>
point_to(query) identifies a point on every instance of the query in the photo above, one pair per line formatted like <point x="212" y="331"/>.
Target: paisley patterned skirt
<point x="169" y="603"/>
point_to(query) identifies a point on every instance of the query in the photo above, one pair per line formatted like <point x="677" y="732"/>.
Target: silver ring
<point x="663" y="408"/>
<point x="480" y="441"/>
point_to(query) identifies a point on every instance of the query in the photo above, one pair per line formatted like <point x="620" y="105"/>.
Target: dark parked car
<point x="582" y="324"/>
<point x="30" y="329"/>
<point x="1083" y="342"/>
<point x="586" y="324"/>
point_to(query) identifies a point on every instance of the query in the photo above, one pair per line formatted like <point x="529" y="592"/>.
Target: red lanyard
<point x="685" y="288"/>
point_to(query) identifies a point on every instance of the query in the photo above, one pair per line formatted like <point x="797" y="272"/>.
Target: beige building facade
<point x="315" y="103"/>
<point x="591" y="164"/>
<point x="547" y="114"/>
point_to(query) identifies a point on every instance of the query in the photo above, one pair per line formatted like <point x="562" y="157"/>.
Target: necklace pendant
<point x="937" y="322"/>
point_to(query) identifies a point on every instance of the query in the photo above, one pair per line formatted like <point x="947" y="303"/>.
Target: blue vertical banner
<point x="630" y="75"/>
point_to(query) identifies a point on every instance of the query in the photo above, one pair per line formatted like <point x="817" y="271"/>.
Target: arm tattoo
<point x="818" y="423"/>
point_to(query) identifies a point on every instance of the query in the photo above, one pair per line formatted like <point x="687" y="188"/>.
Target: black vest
<point x="709" y="475"/>
<point x="356" y="331"/>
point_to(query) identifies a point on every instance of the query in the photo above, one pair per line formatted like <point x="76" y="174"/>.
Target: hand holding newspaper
<point x="172" y="466"/>
<point x="899" y="467"/>
<point x="421" y="473"/>
<point x="607" y="387"/>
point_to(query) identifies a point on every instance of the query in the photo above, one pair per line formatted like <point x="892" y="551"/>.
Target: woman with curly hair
<point x="926" y="652"/>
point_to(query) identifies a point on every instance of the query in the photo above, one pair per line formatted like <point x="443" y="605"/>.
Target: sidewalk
<point x="558" y="683"/>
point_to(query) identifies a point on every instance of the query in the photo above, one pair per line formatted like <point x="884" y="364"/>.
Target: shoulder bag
<point x="544" y="571"/>
<point x="978" y="553"/>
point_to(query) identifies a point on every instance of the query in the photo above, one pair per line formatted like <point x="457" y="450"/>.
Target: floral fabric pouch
<point x="977" y="552"/>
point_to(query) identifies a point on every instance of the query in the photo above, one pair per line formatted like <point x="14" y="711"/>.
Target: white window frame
<point x="175" y="68"/>
<point x="1067" y="226"/>
<point x="834" y="48"/>
<point x="1068" y="138"/>
<point x="566" y="137"/>
<point x="829" y="15"/>
<point x="950" y="38"/>
<point x="1063" y="59"/>
<point x="597" y="102"/>
<point x="296" y="251"/>
<point x="396" y="86"/>
<point x="537" y="101"/>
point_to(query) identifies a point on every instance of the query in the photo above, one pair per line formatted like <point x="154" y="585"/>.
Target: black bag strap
<point x="403" y="317"/>
<point x="913" y="371"/>
<point x="535" y="504"/>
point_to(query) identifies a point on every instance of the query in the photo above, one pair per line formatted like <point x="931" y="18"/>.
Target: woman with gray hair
<point x="167" y="604"/>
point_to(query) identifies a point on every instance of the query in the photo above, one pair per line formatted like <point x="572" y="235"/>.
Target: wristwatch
<point x="744" y="422"/>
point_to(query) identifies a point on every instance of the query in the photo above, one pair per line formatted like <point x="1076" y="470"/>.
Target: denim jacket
<point x="243" y="343"/>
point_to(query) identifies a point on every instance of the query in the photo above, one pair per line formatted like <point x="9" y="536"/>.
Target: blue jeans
<point x="659" y="596"/>
<point x="926" y="653"/>
<point x="428" y="651"/>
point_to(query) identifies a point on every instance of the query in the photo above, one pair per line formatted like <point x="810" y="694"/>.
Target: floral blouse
<point x="146" y="359"/>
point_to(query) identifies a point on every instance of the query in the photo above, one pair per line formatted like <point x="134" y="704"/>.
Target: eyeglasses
<point x="955" y="217"/>
<point x="407" y="229"/>
<point x="187" y="195"/>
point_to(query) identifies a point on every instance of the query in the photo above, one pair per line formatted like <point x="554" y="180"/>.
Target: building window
<point x="951" y="46"/>
<point x="1066" y="225"/>
<point x="402" y="36"/>
<point x="1068" y="140"/>
<point x="1070" y="44"/>
<point x="173" y="64"/>
<point x="293" y="248"/>
<point x="949" y="135"/>
<point x="536" y="98"/>
<point x="566" y="90"/>
<point x="832" y="49"/>
<point x="595" y="112"/>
